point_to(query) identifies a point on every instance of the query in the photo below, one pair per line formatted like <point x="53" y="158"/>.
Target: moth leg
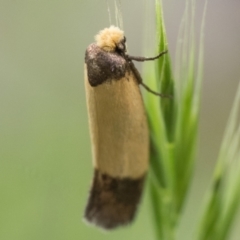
<point x="142" y="59"/>
<point x="140" y="81"/>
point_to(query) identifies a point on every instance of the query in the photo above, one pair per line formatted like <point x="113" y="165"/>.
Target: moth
<point x="118" y="129"/>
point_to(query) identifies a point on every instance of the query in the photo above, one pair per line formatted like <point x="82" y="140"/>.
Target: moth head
<point x="111" y="39"/>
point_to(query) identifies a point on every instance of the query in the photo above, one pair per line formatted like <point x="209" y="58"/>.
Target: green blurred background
<point x="45" y="152"/>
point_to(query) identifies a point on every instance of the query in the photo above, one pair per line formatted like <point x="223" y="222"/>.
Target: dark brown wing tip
<point x="113" y="201"/>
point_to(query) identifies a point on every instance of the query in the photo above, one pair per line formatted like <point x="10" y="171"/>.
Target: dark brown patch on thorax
<point x="113" y="201"/>
<point x="104" y="66"/>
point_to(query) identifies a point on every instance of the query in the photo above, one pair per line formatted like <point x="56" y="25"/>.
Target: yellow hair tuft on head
<point x="108" y="38"/>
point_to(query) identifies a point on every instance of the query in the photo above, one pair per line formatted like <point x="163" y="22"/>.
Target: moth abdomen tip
<point x="113" y="201"/>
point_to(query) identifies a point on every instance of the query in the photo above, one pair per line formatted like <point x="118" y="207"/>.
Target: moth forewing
<point x="119" y="136"/>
